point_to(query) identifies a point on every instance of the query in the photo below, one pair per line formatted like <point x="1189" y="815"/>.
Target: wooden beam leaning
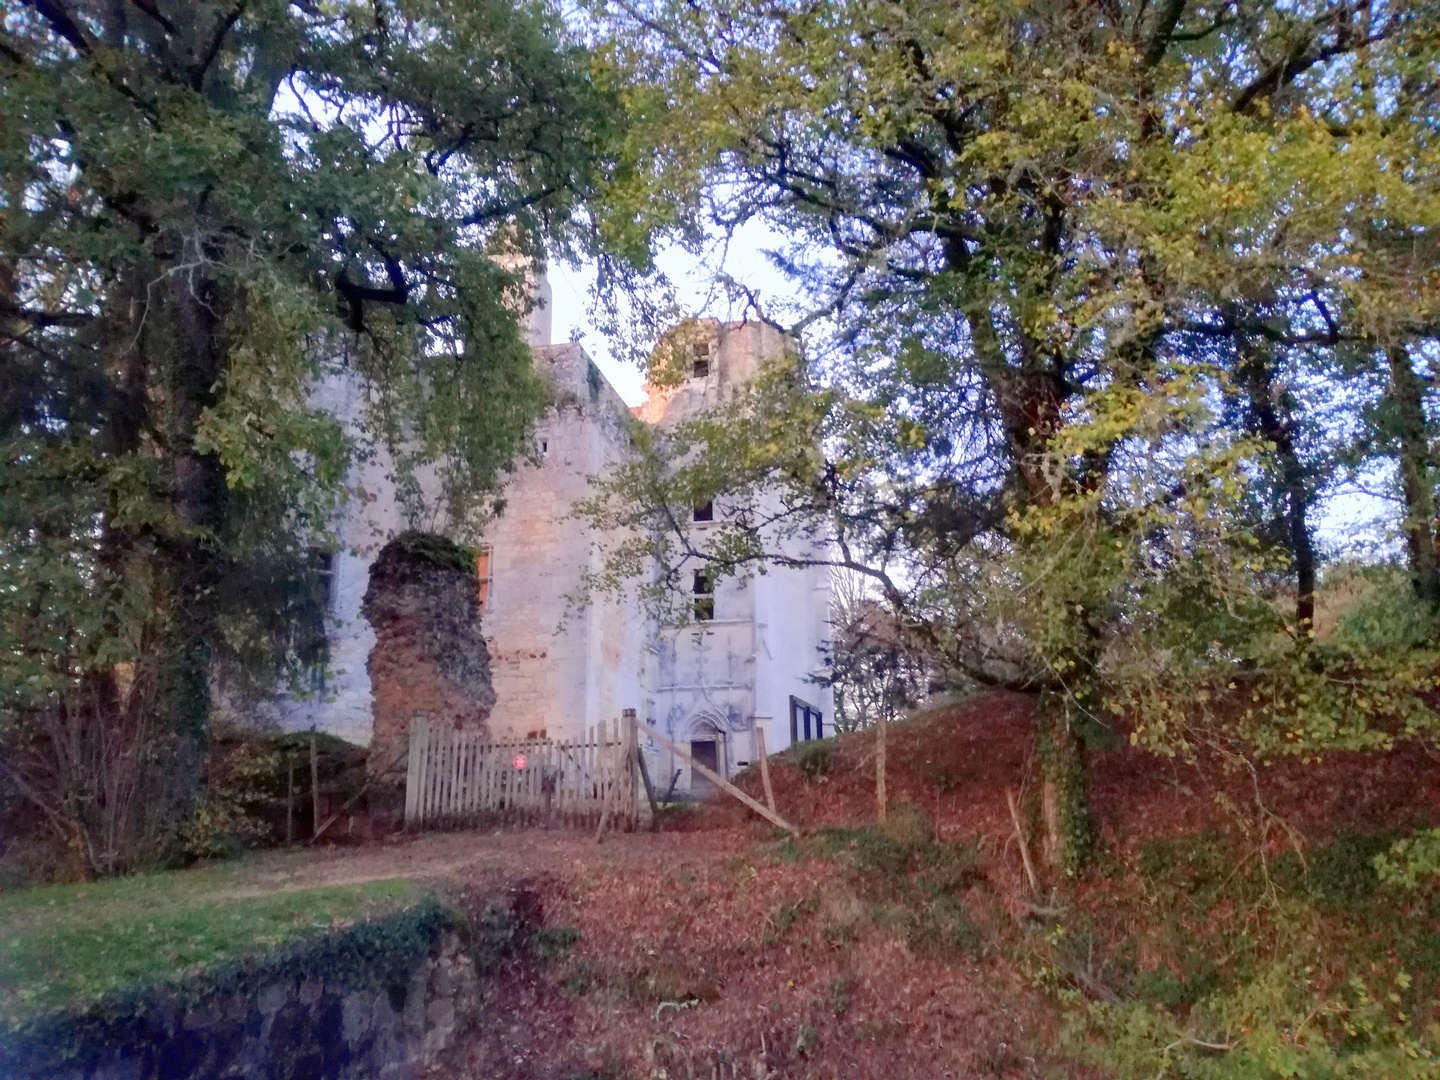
<point x="649" y="790"/>
<point x="724" y="784"/>
<point x="394" y="760"/>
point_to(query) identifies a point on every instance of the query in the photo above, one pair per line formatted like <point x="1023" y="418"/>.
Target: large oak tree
<point x="1044" y="244"/>
<point x="207" y="207"/>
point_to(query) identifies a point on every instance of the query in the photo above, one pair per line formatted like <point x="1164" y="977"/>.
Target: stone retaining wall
<point x="266" y="1026"/>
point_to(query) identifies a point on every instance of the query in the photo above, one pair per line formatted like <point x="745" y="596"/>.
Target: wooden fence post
<point x="629" y="743"/>
<point x="290" y="801"/>
<point x="880" y="795"/>
<point x="415" y="773"/>
<point x="314" y="788"/>
<point x="764" y="767"/>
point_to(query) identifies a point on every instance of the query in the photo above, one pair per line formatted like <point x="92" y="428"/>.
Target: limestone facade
<point x="711" y="683"/>
<point x="559" y="667"/>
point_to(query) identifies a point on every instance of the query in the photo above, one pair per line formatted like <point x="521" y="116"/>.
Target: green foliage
<point x="224" y="820"/>
<point x="1273" y="1027"/>
<point x="200" y="228"/>
<point x="1199" y="866"/>
<point x="1093" y="298"/>
<point x="1343" y="873"/>
<point x="1383" y="614"/>
<point x="436" y="551"/>
<point x="551" y="942"/>
<point x="1410" y="861"/>
<point x="915" y="881"/>
<point x="66" y="947"/>
<point x="813" y="758"/>
<point x="1253" y="967"/>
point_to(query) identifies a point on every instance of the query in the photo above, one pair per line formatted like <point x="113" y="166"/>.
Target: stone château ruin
<point x="556" y="671"/>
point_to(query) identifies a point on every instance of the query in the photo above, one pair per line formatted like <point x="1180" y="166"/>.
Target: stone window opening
<point x="704" y="590"/>
<point x="322" y="562"/>
<point x="700" y="360"/>
<point x="705" y="511"/>
<point x="482" y="574"/>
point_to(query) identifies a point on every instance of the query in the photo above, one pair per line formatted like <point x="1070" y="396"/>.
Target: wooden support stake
<point x="1020" y="835"/>
<point x="764" y="767"/>
<point x="290" y="803"/>
<point x="631" y="738"/>
<point x="649" y="790"/>
<point x="314" y="789"/>
<point x="880" y="795"/>
<point x="725" y="785"/>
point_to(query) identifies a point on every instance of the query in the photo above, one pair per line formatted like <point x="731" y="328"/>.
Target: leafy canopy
<point x="242" y="243"/>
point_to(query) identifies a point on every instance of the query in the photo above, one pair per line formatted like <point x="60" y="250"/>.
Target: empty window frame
<point x="700" y="360"/>
<point x="705" y="511"/>
<point x="806" y="721"/>
<point x="322" y="564"/>
<point x="704" y="596"/>
<point x="313" y="626"/>
<point x="482" y="574"/>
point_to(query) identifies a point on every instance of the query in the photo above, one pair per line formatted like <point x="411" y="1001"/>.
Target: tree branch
<point x="1167" y="17"/>
<point x="61" y="22"/>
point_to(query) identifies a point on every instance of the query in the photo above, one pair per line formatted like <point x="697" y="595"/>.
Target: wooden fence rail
<point x="458" y="776"/>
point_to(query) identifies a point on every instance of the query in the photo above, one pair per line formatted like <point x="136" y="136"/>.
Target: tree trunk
<point x="1407" y="396"/>
<point x="1064" y="785"/>
<point x="1273" y="419"/>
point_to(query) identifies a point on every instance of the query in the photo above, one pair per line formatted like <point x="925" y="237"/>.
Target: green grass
<point x="68" y="944"/>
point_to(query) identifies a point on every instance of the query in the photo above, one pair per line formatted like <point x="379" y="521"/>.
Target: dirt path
<point x="440" y="857"/>
<point x="713" y="954"/>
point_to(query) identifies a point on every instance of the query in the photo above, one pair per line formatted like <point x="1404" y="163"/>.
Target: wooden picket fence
<point x="459" y="777"/>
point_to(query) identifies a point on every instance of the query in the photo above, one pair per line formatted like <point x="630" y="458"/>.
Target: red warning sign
<point x="520" y="761"/>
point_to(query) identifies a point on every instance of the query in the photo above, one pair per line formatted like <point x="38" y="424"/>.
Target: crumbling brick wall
<point x="429" y="657"/>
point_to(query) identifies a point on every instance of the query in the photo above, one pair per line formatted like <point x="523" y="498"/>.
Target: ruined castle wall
<point x="559" y="667"/>
<point x="429" y="660"/>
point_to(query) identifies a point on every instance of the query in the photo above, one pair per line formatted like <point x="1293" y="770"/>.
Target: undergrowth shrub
<point x="1411" y="860"/>
<point x="814" y="758"/>
<point x="1277" y="1025"/>
<point x="241" y="778"/>
<point x="1254" y="966"/>
<point x="916" y="884"/>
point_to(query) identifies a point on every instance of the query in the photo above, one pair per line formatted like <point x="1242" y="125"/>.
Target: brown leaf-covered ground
<point x="957" y="761"/>
<point x="723" y="950"/>
<point x="713" y="954"/>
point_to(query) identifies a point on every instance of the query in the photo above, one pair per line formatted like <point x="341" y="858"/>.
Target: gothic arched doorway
<point x="706" y="747"/>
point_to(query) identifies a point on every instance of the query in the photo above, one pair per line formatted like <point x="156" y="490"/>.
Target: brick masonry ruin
<point x="429" y="658"/>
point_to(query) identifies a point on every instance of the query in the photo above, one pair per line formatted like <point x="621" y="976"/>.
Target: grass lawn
<point x="72" y="943"/>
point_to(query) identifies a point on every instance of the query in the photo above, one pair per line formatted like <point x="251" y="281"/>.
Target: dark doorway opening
<point x="706" y="752"/>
